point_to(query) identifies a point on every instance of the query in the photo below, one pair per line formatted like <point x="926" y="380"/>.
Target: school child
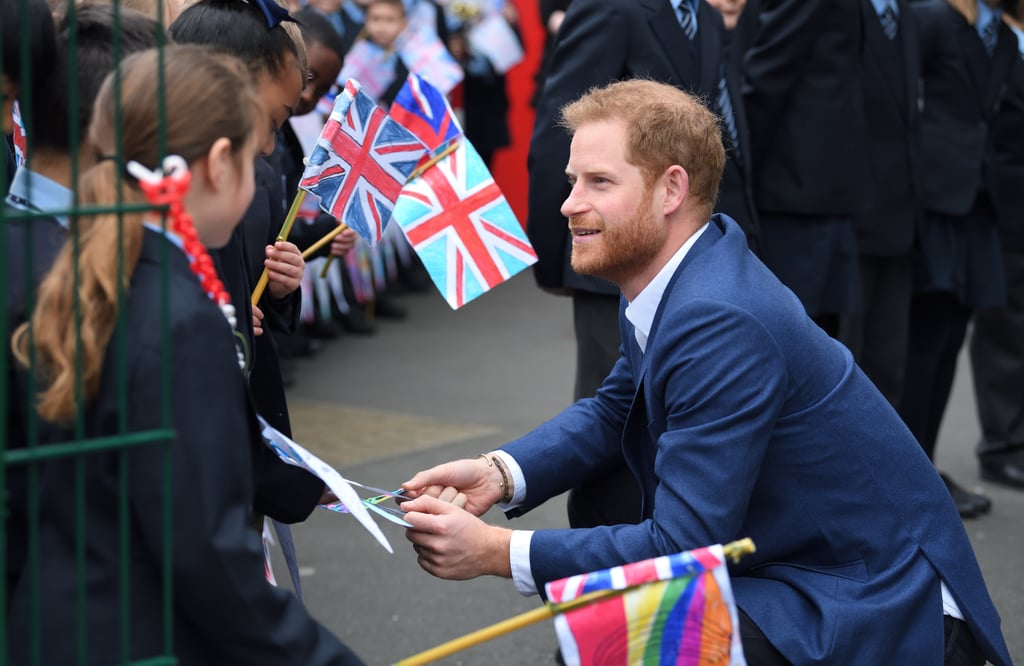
<point x="222" y="612"/>
<point x="44" y="184"/>
<point x="254" y="32"/>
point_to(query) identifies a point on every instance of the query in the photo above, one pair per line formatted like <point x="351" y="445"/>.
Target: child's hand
<point x="257" y="321"/>
<point x="285" y="266"/>
<point x="343" y="242"/>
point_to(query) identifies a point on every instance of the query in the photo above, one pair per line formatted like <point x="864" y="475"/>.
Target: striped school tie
<point x="890" y="21"/>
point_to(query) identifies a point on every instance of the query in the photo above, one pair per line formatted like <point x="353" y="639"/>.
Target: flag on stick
<point x="677" y="609"/>
<point x="461" y="226"/>
<point x="423" y="110"/>
<point x="361" y="160"/>
<point x="734" y="551"/>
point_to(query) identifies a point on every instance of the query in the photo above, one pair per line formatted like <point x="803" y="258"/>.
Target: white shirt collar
<point x="641" y="310"/>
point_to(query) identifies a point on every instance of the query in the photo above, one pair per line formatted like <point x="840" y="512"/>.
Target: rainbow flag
<point x="676" y="609"/>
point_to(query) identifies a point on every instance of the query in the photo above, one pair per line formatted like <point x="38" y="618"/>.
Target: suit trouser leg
<point x="997" y="359"/>
<point x="877" y="335"/>
<point x="615" y="497"/>
<point x="757" y="649"/>
<point x="938" y="323"/>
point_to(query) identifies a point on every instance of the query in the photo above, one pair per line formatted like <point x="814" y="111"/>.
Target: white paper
<point x="494" y="39"/>
<point x="293" y="454"/>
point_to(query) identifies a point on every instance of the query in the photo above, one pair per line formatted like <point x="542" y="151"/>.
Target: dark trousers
<point x="960" y="647"/>
<point x="614" y="498"/>
<point x="938" y="324"/>
<point x="997" y="359"/>
<point x="877" y="334"/>
<point x="596" y="322"/>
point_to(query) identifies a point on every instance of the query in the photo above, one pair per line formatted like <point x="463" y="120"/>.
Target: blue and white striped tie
<point x="889" y="21"/>
<point x="725" y="108"/>
<point x="990" y="35"/>
<point x="687" y="18"/>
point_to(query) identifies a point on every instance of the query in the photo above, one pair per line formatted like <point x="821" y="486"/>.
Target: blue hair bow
<point x="272" y="12"/>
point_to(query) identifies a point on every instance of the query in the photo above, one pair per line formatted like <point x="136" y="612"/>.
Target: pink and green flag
<point x="676" y="609"/>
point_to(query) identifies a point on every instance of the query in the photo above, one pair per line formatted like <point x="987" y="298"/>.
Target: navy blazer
<point x="224" y="612"/>
<point x="744" y="419"/>
<point x="963" y="91"/>
<point x="805" y="107"/>
<point x="892" y="99"/>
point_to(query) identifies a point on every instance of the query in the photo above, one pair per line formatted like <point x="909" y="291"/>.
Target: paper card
<point x="494" y="39"/>
<point x="293" y="454"/>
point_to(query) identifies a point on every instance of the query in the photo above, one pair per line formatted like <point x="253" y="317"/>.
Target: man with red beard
<point x="738" y="416"/>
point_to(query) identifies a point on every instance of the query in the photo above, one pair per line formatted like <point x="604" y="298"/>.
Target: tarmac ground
<point x="446" y="384"/>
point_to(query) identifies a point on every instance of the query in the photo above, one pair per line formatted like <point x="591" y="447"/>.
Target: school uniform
<point x="223" y="610"/>
<point x="997" y="341"/>
<point x="886" y="228"/>
<point x="959" y="268"/>
<point x="32" y="246"/>
<point x="804" y="104"/>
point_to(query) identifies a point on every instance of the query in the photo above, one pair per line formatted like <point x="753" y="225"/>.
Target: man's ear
<point x="676" y="182"/>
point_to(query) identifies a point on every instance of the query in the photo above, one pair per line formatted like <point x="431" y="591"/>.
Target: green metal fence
<point x="31" y="456"/>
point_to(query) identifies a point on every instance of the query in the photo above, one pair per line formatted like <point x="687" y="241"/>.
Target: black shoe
<point x="1008" y="472"/>
<point x="323" y="330"/>
<point x="355" y="322"/>
<point x="968" y="504"/>
<point x="385" y="308"/>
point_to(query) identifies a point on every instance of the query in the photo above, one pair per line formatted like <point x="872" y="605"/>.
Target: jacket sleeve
<point x="217" y="562"/>
<point x="722" y="396"/>
<point x="786" y="34"/>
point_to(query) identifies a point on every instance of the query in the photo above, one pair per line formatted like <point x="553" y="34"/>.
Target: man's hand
<point x="343" y="242"/>
<point x="473" y="478"/>
<point x="285" y="266"/>
<point x="454" y="544"/>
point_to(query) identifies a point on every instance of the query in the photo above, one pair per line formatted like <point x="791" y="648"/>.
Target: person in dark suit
<point x="967" y="54"/>
<point x="223" y="611"/>
<point x="808" y="134"/>
<point x="997" y="341"/>
<point x="601" y="41"/>
<point x="45" y="185"/>
<point x="739" y="417"/>
<point x="886" y="227"/>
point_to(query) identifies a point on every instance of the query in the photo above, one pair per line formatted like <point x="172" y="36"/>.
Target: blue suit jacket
<point x="744" y="419"/>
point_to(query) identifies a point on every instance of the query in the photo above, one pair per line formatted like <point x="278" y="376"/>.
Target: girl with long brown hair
<point x="155" y="355"/>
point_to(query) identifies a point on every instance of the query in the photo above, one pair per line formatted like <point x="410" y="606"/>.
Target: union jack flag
<point x="424" y="111"/>
<point x="361" y="160"/>
<point x="463" y="229"/>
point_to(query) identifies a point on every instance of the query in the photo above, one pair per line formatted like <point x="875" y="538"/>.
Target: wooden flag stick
<point x="415" y="174"/>
<point x="286" y="229"/>
<point x="733" y="551"/>
<point x="309" y="251"/>
<point x="434" y="160"/>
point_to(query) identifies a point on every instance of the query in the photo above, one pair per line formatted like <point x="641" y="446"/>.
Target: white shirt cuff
<point x="519" y="558"/>
<point x="518" y="481"/>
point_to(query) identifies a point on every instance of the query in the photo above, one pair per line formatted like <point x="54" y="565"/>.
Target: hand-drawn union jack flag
<point x="361" y="160"/>
<point x="424" y="111"/>
<point x="463" y="229"/>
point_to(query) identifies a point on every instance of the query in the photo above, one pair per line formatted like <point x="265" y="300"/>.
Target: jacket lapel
<point x="999" y="70"/>
<point x="709" y="36"/>
<point x="911" y="61"/>
<point x="664" y="23"/>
